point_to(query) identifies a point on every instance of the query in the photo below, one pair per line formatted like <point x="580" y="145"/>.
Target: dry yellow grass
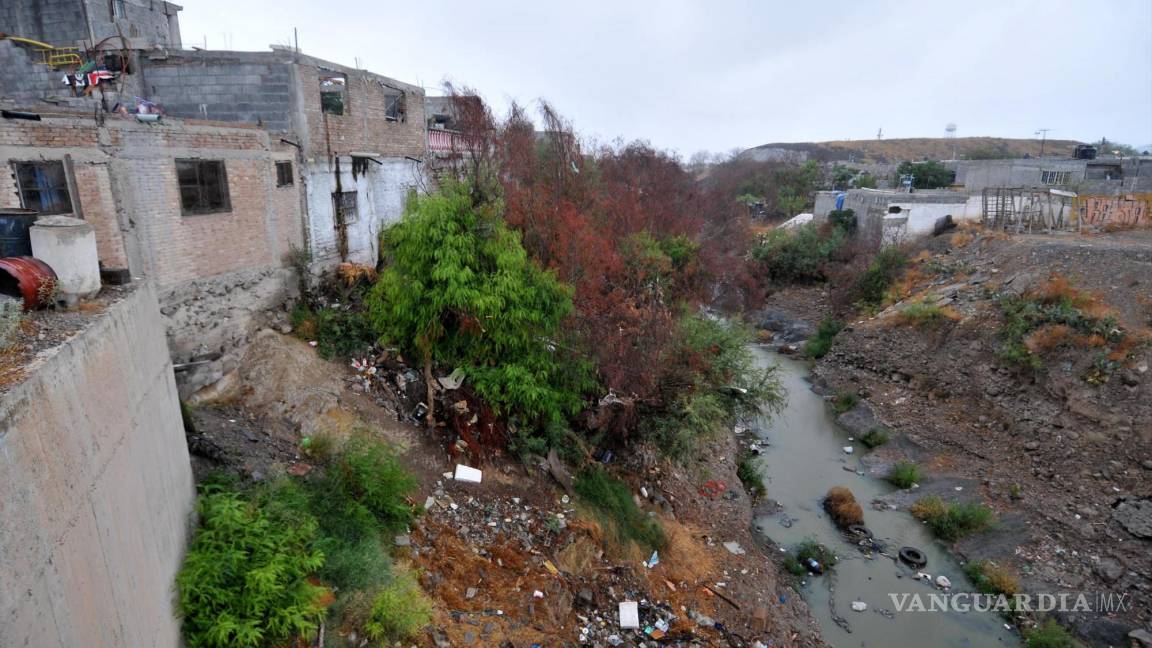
<point x="842" y="506"/>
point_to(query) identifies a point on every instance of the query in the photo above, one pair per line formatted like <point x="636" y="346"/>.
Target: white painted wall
<point x="381" y="196"/>
<point x="922" y="217"/>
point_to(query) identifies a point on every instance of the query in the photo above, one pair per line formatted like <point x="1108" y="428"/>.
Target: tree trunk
<point x="430" y="417"/>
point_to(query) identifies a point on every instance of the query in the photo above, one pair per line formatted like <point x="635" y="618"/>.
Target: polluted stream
<point x="805" y="457"/>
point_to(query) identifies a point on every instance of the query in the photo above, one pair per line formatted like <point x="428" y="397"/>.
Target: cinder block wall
<point x="97" y="489"/>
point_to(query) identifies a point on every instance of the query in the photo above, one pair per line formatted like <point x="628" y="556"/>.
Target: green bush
<point x="338" y="332"/>
<point x="458" y="288"/>
<point x="244" y="579"/>
<point x="797" y="563"/>
<point x="925" y="315"/>
<point x="845" y="401"/>
<point x="927" y="175"/>
<point x="819" y="345"/>
<point x="611" y="499"/>
<point x="990" y="578"/>
<point x="749" y="475"/>
<point x="952" y="521"/>
<point x="904" y="474"/>
<point x="399" y="610"/>
<point x="1049" y="635"/>
<point x="877" y="436"/>
<point x="712" y="379"/>
<point x="1056" y="304"/>
<point x="798" y="254"/>
<point x="367" y="469"/>
<point x="873" y="284"/>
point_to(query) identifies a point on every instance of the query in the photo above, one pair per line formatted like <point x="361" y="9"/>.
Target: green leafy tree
<point x="866" y="181"/>
<point x="459" y="289"/>
<point x="927" y="175"/>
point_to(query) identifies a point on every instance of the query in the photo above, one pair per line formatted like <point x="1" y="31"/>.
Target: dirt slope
<point x="919" y="148"/>
<point x="1064" y="454"/>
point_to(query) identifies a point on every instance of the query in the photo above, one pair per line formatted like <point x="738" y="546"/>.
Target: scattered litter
<point x="847" y="449"/>
<point x="312" y="343"/>
<point x="643" y="492"/>
<point x="943" y="582"/>
<point x="959" y="488"/>
<point x="629" y="615"/>
<point x="734" y="548"/>
<point x="564" y="499"/>
<point x="403" y="541"/>
<point x="471" y="593"/>
<point x="452" y="380"/>
<point x="537" y="594"/>
<point x="661" y="625"/>
<point x="468" y="474"/>
<point x="653" y="560"/>
<point x="859" y="606"/>
<point x="429" y="502"/>
<point x="551" y="568"/>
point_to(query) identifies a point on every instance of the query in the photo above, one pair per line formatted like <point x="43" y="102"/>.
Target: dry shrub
<point x="351" y="274"/>
<point x="842" y="506"/>
<point x="1049" y="337"/>
<point x="962" y="238"/>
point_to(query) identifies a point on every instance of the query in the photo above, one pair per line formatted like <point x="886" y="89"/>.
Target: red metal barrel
<point x="29" y="278"/>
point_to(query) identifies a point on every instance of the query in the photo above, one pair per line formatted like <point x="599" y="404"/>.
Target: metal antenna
<point x="1043" y="133"/>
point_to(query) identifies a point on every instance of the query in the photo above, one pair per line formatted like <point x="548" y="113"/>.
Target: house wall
<point x="381" y="195"/>
<point x="57" y="22"/>
<point x="216" y="273"/>
<point x="98" y="492"/>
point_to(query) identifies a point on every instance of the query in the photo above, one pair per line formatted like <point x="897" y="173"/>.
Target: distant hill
<point x="915" y="148"/>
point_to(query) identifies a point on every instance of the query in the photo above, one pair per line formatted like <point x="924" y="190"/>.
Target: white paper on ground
<point x="468" y="474"/>
<point x="629" y="615"/>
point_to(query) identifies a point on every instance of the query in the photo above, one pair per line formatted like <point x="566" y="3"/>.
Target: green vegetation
<point x="877" y="436"/>
<point x="925" y="315"/>
<point x="339" y="332"/>
<point x="797" y="564"/>
<point x="245" y="580"/>
<point x="952" y="521"/>
<point x="399" y="610"/>
<point x="991" y="578"/>
<point x="819" y="345"/>
<point x="798" y="254"/>
<point x="873" y="284"/>
<point x="866" y="181"/>
<point x="459" y="289"/>
<point x="1054" y="315"/>
<point x="927" y="175"/>
<point x="749" y="475"/>
<point x="611" y="500"/>
<point x="1049" y="635"/>
<point x="903" y="474"/>
<point x="716" y="381"/>
<point x="844" y="401"/>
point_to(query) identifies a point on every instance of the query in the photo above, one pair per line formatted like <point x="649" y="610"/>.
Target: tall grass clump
<point x="903" y="474"/>
<point x="611" y="500"/>
<point x="952" y="521"/>
<point x="819" y="345"/>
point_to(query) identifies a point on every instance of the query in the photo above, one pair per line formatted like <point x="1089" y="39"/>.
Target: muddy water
<point x="805" y="458"/>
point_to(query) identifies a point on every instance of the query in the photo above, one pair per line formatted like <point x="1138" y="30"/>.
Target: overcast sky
<point x="716" y="75"/>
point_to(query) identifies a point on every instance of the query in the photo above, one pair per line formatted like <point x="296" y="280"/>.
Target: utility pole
<point x="1043" y="133"/>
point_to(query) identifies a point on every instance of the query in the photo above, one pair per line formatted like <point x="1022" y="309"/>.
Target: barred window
<point x="284" y="174"/>
<point x="43" y="186"/>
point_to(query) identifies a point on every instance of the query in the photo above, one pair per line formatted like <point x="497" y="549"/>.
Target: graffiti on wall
<point x="1113" y="212"/>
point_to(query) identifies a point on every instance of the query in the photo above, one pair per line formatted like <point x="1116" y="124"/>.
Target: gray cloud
<point x="717" y="75"/>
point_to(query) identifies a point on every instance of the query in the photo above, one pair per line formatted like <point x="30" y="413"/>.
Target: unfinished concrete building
<point x="213" y="172"/>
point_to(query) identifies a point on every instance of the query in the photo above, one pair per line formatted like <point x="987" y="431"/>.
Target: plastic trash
<point x="468" y="474"/>
<point x="629" y="615"/>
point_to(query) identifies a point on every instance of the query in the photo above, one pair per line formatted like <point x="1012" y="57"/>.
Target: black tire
<point x="859" y="531"/>
<point x="913" y="557"/>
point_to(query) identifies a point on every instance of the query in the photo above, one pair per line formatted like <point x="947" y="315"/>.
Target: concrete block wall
<point x="57" y="22"/>
<point x="146" y="23"/>
<point x="24" y="80"/>
<point x="98" y="492"/>
<point x="248" y="87"/>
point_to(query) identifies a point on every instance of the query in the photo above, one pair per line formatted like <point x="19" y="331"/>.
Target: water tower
<point x="950" y="129"/>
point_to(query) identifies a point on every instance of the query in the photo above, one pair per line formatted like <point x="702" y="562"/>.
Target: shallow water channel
<point x="804" y="460"/>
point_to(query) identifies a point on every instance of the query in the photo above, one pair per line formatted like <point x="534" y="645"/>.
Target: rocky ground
<point x="1063" y="454"/>
<point x="518" y="559"/>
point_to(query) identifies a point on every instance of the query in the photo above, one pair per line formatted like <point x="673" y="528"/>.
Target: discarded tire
<point x="913" y="557"/>
<point x="859" y="531"/>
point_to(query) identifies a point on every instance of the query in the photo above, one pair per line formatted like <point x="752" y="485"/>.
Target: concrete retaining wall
<point x="96" y="487"/>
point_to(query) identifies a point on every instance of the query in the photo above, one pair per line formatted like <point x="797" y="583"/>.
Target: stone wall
<point x="97" y="488"/>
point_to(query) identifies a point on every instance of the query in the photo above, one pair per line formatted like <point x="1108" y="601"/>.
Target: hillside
<point x="917" y="148"/>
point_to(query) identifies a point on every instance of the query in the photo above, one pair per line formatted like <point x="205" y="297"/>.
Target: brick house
<point x="209" y="211"/>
